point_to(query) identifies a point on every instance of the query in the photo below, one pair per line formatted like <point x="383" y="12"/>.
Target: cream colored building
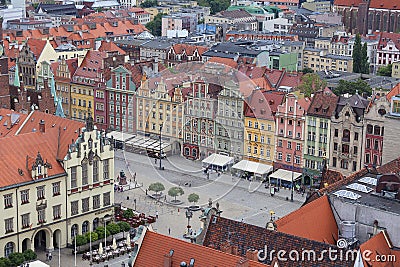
<point x="318" y="60"/>
<point x="160" y="104"/>
<point x="52" y="189"/>
<point x="396" y="69"/>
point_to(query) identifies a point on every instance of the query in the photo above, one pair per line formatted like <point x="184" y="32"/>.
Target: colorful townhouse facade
<point x="347" y="132"/>
<point x="290" y="133"/>
<point x="317" y="128"/>
<point x="259" y="123"/>
<point x="374" y="130"/>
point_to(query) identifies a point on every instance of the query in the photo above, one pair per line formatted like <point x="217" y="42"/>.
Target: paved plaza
<point x="239" y="199"/>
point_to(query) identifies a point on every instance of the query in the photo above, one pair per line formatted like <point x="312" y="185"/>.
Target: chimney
<point x="252" y="254"/>
<point x="243" y="262"/>
<point x="168" y="259"/>
<point x="42" y="126"/>
<point x="227" y="248"/>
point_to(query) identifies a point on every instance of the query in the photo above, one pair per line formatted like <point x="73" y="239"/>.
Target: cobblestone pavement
<point x="238" y="198"/>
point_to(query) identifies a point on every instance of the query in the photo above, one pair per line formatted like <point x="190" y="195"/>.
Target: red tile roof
<point x="109" y="46"/>
<point x="301" y="222"/>
<point x="91" y="66"/>
<point x="155" y="246"/>
<point x="275" y="98"/>
<point x="225" y="61"/>
<point x="52" y="145"/>
<point x="347" y="2"/>
<point x="385" y="37"/>
<point x="189" y="49"/>
<point x="36" y="46"/>
<point x="395" y="91"/>
<point x="380" y="4"/>
<point x="6" y="126"/>
<point x="378" y="245"/>
<point x="323" y="104"/>
<point x="258" y="107"/>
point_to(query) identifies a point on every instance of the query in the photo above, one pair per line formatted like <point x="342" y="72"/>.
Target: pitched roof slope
<point x="246" y="236"/>
<point x="395" y="91"/>
<point x="377" y="245"/>
<point x="301" y="222"/>
<point x="155" y="246"/>
<point x="323" y="104"/>
<point x="258" y="107"/>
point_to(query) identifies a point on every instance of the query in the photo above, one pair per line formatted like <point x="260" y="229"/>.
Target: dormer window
<point x="39" y="169"/>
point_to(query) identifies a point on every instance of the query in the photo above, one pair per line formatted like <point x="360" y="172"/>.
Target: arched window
<point x="9" y="248"/>
<point x="391" y="23"/>
<point x="378" y="22"/>
<point x="385" y="22"/>
<point x="85" y="227"/>
<point x="346" y="135"/>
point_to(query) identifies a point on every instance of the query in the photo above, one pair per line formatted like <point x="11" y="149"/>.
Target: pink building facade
<point x="289" y="135"/>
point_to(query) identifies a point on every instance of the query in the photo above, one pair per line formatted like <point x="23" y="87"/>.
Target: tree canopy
<point x="128" y="214"/>
<point x="351" y="88"/>
<point x="215" y="5"/>
<point x="154" y="26"/>
<point x="156" y="187"/>
<point x="193" y="198"/>
<point x="385" y="70"/>
<point x="124" y="226"/>
<point x="360" y="58"/>
<point x="113" y="228"/>
<point x="148" y="3"/>
<point x="175" y="191"/>
<point x="311" y="83"/>
<point x="306" y="70"/>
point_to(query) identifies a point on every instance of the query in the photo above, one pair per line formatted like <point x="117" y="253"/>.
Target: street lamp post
<point x="292" y="188"/>
<point x="159" y="154"/>
<point x="189" y="215"/>
<point x="134" y="201"/>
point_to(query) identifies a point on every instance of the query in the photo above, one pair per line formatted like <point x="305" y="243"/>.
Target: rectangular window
<point x="376" y="145"/>
<point x="74" y="207"/>
<point x="289" y="145"/>
<point x="106" y="199"/>
<point x="279" y="155"/>
<point x="73" y="177"/>
<point x="95" y="171"/>
<point x="334" y="162"/>
<point x="297" y="159"/>
<point x="106" y="170"/>
<point x="85" y="204"/>
<point x="40" y="192"/>
<point x="41" y="216"/>
<point x="336" y="132"/>
<point x="279" y="143"/>
<point x="56" y="212"/>
<point x="344" y="164"/>
<point x="288" y="157"/>
<point x="355" y="150"/>
<point x="335" y="146"/>
<point x="298" y="147"/>
<point x="84" y="174"/>
<point x="367" y="158"/>
<point x="355" y="136"/>
<point x="96" y="202"/>
<point x="25" y="220"/>
<point x="354" y="166"/>
<point x="56" y="188"/>
<point x="8" y="202"/>
<point x="24" y="196"/>
<point x="9" y="225"/>
<point x="368" y="143"/>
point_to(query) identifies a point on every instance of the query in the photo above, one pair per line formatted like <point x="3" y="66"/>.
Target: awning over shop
<point x="285" y="175"/>
<point x="120" y="136"/>
<point x="253" y="167"/>
<point x="218" y="160"/>
<point x="146" y="143"/>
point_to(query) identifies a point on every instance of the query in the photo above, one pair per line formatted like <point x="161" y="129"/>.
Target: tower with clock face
<point x="5" y="97"/>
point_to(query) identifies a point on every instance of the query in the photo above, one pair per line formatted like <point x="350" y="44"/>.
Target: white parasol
<point x="101" y="248"/>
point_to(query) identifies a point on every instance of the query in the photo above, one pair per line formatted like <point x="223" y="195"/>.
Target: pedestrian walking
<point x="156" y="214"/>
<point x="134" y="177"/>
<point x="155" y="160"/>
<point x="47" y="256"/>
<point x="146" y="192"/>
<point x="165" y="198"/>
<point x="169" y="231"/>
<point x="50" y="256"/>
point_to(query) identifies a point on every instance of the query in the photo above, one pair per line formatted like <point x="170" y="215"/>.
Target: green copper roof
<point x="250" y="9"/>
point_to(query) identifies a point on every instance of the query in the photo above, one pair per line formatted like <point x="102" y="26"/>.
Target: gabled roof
<point x="378" y="245"/>
<point x="385" y="37"/>
<point x="274" y="98"/>
<point x="246" y="236"/>
<point x="91" y="65"/>
<point x="155" y="246"/>
<point x="36" y="46"/>
<point x="225" y="61"/>
<point x="109" y="46"/>
<point x="301" y="222"/>
<point x="258" y="106"/>
<point x="189" y="49"/>
<point x="24" y="141"/>
<point x="323" y="104"/>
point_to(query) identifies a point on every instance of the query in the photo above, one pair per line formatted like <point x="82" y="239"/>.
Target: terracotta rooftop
<point x="378" y="245"/>
<point x="380" y="4"/>
<point x="301" y="222"/>
<point x="274" y="98"/>
<point x="109" y="46"/>
<point x="188" y="49"/>
<point x="225" y="61"/>
<point x="395" y="91"/>
<point x="385" y="37"/>
<point x="22" y="144"/>
<point x="258" y="106"/>
<point x="244" y="237"/>
<point x="156" y="247"/>
<point x="323" y="104"/>
<point x="36" y="46"/>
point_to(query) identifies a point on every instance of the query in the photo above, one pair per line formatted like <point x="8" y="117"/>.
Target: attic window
<point x="84" y="68"/>
<point x="20" y="172"/>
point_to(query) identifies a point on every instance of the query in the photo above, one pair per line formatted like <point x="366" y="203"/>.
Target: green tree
<point x="215" y="5"/>
<point x="113" y="228"/>
<point x="351" y="88"/>
<point x="193" y="198"/>
<point x="154" y="26"/>
<point x="16" y="258"/>
<point x="29" y="255"/>
<point x="5" y="262"/>
<point x="156" y="187"/>
<point x="357" y="57"/>
<point x="128" y="214"/>
<point x="307" y="70"/>
<point x="311" y="83"/>
<point x="148" y="3"/>
<point x="364" y="60"/>
<point x="81" y="240"/>
<point x="124" y="226"/>
<point x="100" y="231"/>
<point x="385" y="71"/>
<point x="94" y="236"/>
<point x="175" y="191"/>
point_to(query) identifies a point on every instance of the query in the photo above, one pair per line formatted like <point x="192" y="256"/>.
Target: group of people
<point x="49" y="256"/>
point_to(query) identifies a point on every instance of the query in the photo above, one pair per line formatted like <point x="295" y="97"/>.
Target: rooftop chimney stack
<point x="42" y="126"/>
